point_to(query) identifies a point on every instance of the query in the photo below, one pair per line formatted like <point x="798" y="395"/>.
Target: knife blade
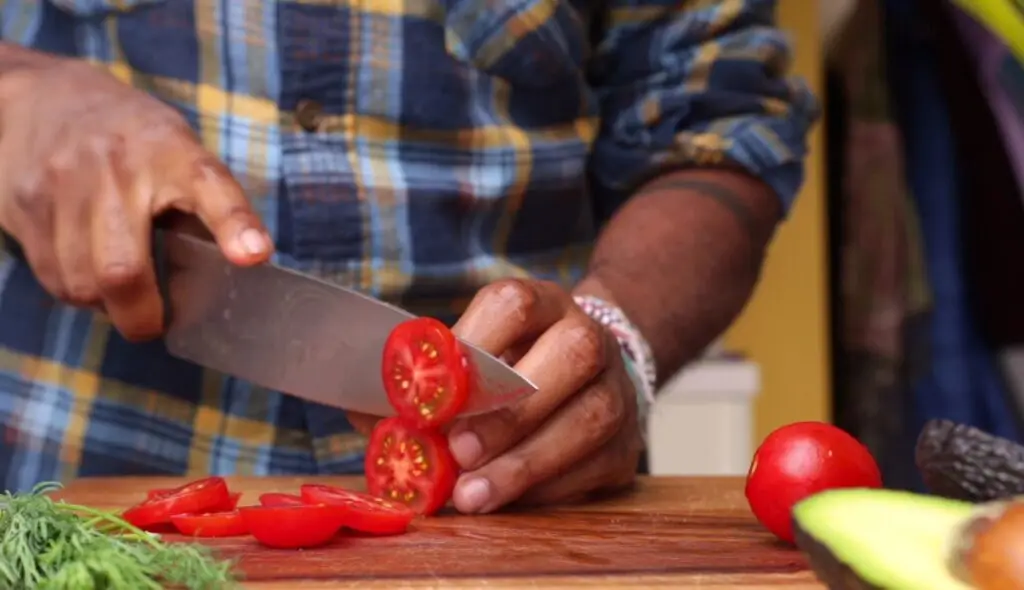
<point x="295" y="333"/>
<point x="291" y="332"/>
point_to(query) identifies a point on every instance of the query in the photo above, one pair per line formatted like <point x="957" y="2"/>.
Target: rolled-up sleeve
<point x="685" y="83"/>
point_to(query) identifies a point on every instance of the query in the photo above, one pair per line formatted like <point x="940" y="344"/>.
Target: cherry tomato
<point x="293" y="527"/>
<point x="411" y="466"/>
<point x="425" y="374"/>
<point x="366" y="513"/>
<point x="800" y="460"/>
<point x="204" y="495"/>
<point x="213" y="524"/>
<point x="276" y="499"/>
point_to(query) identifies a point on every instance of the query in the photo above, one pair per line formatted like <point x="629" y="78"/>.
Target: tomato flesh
<point x="205" y="495"/>
<point x="293" y="527"/>
<point x="276" y="499"/>
<point x="366" y="513"/>
<point x="213" y="524"/>
<point x="799" y="460"/>
<point x="425" y="374"/>
<point x="408" y="465"/>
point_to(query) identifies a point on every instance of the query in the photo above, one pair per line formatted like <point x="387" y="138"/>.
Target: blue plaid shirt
<point x="414" y="150"/>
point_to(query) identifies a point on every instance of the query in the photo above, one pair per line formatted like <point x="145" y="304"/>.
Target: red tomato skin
<point x="278" y="499"/>
<point x="231" y="504"/>
<point x="453" y="360"/>
<point x="213" y="524"/>
<point x="204" y="495"/>
<point x="435" y="487"/>
<point x="366" y="513"/>
<point x="799" y="460"/>
<point x="293" y="527"/>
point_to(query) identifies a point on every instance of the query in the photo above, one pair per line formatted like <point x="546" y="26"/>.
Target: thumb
<point x="222" y="206"/>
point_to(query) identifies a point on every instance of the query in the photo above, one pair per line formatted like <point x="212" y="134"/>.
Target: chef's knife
<point x="292" y="332"/>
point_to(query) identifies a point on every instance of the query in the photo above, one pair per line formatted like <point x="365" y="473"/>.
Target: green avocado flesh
<point x="886" y="539"/>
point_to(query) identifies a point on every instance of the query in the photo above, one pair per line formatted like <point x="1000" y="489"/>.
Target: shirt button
<point x="308" y="114"/>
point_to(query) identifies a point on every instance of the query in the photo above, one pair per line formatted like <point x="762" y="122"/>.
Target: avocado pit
<point x="988" y="551"/>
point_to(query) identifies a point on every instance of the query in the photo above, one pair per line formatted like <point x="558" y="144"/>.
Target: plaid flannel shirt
<point x="414" y="150"/>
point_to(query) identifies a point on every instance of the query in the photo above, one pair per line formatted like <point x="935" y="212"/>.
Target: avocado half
<point x="859" y="539"/>
<point x="965" y="463"/>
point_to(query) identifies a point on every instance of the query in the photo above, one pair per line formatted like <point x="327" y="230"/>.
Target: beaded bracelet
<point x="636" y="352"/>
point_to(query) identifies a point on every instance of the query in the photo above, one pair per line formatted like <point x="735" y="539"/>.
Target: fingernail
<point x="253" y="241"/>
<point x="466" y="448"/>
<point x="472" y="494"/>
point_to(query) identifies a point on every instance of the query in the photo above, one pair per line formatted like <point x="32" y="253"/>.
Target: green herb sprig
<point x="47" y="545"/>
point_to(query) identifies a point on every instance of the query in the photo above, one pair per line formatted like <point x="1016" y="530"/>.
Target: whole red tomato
<point x="802" y="459"/>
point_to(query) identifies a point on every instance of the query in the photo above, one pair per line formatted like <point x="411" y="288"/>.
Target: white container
<point x="702" y="422"/>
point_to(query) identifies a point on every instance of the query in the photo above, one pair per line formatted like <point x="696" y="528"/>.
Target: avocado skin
<point x="835" y="574"/>
<point x="964" y="463"/>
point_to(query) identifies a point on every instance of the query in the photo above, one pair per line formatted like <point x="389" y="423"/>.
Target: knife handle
<point x="160" y="265"/>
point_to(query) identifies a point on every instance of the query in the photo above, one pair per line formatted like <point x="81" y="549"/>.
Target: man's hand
<point x="577" y="434"/>
<point x="86" y="163"/>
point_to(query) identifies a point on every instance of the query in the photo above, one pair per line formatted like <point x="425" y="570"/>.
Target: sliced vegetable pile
<point x="409" y="468"/>
<point x="49" y="545"/>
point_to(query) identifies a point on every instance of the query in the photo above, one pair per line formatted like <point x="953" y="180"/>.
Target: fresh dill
<point x="47" y="545"/>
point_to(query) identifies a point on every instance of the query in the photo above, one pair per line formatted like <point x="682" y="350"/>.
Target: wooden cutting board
<point x="668" y="533"/>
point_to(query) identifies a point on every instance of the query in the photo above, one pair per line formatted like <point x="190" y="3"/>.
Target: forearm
<point x="682" y="257"/>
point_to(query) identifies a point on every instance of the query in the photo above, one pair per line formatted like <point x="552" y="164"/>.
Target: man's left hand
<point x="576" y="435"/>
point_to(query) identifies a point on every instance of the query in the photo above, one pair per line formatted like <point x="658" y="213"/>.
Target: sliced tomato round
<point x="426" y="376"/>
<point x="293" y="527"/>
<point x="213" y="524"/>
<point x="278" y="499"/>
<point x="159" y="493"/>
<point x="366" y="513"/>
<point x="231" y="504"/>
<point x="204" y="495"/>
<point x="409" y="465"/>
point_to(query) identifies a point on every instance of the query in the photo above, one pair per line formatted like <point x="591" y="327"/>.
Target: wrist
<point x="637" y="357"/>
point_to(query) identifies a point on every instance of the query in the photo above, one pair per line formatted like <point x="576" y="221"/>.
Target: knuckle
<point x="81" y="293"/>
<point x="106" y="146"/>
<point x="29" y="199"/>
<point x="114" y="276"/>
<point x="586" y="346"/>
<point x="515" y="295"/>
<point x="603" y="410"/>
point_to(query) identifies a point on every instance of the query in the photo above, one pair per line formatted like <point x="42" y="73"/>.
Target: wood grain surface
<point x="668" y="533"/>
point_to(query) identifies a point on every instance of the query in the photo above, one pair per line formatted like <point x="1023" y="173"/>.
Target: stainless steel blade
<point x="295" y="333"/>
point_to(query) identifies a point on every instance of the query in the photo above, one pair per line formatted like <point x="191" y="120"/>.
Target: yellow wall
<point x="785" y="326"/>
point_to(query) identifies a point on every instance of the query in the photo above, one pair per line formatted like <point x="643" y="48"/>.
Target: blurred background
<point x="895" y="292"/>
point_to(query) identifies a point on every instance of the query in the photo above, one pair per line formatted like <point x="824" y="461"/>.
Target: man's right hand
<point x="86" y="163"/>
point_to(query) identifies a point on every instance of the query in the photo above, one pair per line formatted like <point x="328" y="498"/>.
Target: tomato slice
<point x="408" y="465"/>
<point x="425" y="373"/>
<point x="213" y="524"/>
<point x="366" y="513"/>
<point x="204" y="495"/>
<point x="159" y="493"/>
<point x="231" y="504"/>
<point x="293" y="527"/>
<point x="277" y="499"/>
